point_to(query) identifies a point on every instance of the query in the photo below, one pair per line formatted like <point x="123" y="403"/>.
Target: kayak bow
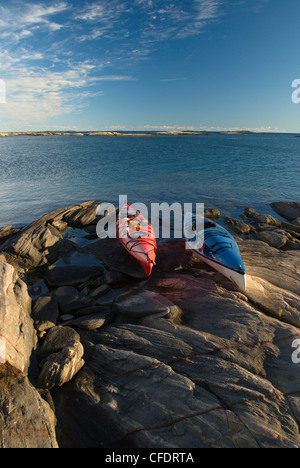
<point x="216" y="247"/>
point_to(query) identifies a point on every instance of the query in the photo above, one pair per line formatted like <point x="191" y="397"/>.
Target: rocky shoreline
<point x="98" y="355"/>
<point x="132" y="134"/>
<point x="123" y="134"/>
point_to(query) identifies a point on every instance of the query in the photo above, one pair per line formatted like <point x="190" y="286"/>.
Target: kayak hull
<point x="216" y="247"/>
<point x="240" y="279"/>
<point x="137" y="236"/>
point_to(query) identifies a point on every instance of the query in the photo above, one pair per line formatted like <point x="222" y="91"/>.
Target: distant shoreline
<point x="129" y="134"/>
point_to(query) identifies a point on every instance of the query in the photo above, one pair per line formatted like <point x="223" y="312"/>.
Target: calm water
<point x="230" y="172"/>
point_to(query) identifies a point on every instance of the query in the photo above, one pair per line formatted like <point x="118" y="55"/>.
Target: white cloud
<point x="145" y="22"/>
<point x="20" y="18"/>
<point x="116" y="78"/>
<point x="49" y="76"/>
<point x="169" y="20"/>
<point x="207" y="9"/>
<point x="106" y="12"/>
<point x="104" y="19"/>
<point x="15" y="37"/>
<point x="31" y="56"/>
<point x="93" y="12"/>
<point x="35" y="94"/>
<point x="167" y="128"/>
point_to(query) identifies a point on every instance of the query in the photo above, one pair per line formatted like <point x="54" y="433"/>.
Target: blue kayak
<point x="216" y="247"/>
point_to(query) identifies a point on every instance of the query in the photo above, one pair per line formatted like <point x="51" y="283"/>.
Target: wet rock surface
<point x="181" y="359"/>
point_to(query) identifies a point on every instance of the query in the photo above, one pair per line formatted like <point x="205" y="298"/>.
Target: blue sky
<point x="149" y="65"/>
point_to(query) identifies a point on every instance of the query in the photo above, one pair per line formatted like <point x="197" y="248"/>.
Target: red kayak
<point x="137" y="236"/>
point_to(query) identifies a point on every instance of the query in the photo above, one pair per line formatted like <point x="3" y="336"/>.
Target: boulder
<point x="56" y="339"/>
<point x="239" y="227"/>
<point x="266" y="219"/>
<point x="59" y="368"/>
<point x="91" y="321"/>
<point x="60" y="225"/>
<point x="212" y="213"/>
<point x="7" y="232"/>
<point x="70" y="299"/>
<point x="287" y="209"/>
<point x="30" y="247"/>
<point x="249" y="212"/>
<point x="277" y="239"/>
<point x="45" y="313"/>
<point x="292" y="228"/>
<point x="62" y="355"/>
<point x="82" y="216"/>
<point x="259" y="218"/>
<point x="100" y="291"/>
<point x="17" y="331"/>
<point x="27" y="420"/>
<point x="70" y="275"/>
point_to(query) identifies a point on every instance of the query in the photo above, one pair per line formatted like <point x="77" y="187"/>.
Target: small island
<point x="124" y="134"/>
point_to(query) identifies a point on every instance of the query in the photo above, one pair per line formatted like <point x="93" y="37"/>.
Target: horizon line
<point x="154" y="130"/>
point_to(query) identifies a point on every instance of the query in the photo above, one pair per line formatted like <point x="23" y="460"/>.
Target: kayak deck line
<point x="216" y="247"/>
<point x="138" y="241"/>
